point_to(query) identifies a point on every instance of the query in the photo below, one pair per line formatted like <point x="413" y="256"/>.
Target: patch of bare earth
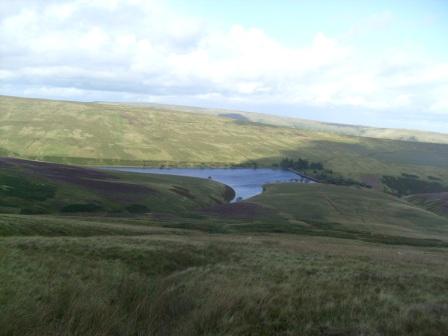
<point x="372" y="180"/>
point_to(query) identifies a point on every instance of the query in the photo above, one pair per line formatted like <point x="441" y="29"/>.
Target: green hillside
<point x="296" y="260"/>
<point x="435" y="202"/>
<point x="195" y="284"/>
<point x="168" y="284"/>
<point x="304" y="124"/>
<point x="31" y="187"/>
<point x="329" y="209"/>
<point x="91" y="133"/>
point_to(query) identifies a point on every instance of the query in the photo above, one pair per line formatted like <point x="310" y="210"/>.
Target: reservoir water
<point x="246" y="182"/>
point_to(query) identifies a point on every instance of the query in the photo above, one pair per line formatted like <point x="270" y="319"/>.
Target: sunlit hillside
<point x="99" y="134"/>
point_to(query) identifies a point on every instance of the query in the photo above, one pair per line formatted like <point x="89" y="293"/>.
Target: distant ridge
<point x="306" y="124"/>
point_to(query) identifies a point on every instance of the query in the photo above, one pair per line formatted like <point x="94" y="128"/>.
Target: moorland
<point x="85" y="251"/>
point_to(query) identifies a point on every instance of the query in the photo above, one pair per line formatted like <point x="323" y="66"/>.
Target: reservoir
<point x="246" y="182"/>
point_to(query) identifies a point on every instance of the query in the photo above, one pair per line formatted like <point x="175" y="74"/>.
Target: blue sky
<point x="380" y="63"/>
<point x="295" y="22"/>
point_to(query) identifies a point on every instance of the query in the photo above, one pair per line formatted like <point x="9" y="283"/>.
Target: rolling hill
<point x="31" y="187"/>
<point x="331" y="209"/>
<point x="39" y="188"/>
<point x="305" y="124"/>
<point x="435" y="202"/>
<point x="114" y="134"/>
<point x="296" y="260"/>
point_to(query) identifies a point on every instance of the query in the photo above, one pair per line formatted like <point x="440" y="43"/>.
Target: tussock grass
<point x="219" y="285"/>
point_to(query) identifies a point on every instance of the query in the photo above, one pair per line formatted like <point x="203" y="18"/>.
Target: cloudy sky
<point x="381" y="63"/>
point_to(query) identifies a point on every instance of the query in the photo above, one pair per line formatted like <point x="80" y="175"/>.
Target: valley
<point x="128" y="135"/>
<point x="86" y="250"/>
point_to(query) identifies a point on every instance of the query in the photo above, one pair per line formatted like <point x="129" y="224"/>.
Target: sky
<point x="378" y="63"/>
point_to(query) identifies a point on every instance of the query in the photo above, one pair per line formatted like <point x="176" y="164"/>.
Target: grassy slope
<point x="27" y="186"/>
<point x="328" y="209"/>
<point x="304" y="124"/>
<point x="165" y="275"/>
<point x="435" y="202"/>
<point x="117" y="134"/>
<point x="167" y="283"/>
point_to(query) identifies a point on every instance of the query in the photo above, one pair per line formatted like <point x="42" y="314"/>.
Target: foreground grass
<point x="220" y="272"/>
<point x="200" y="284"/>
<point x="273" y="265"/>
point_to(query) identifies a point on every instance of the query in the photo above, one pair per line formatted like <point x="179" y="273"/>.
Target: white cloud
<point x="144" y="49"/>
